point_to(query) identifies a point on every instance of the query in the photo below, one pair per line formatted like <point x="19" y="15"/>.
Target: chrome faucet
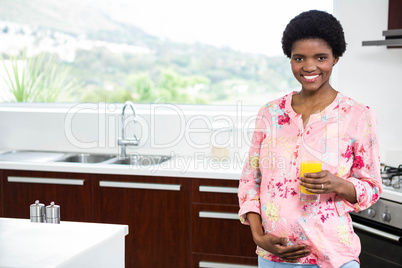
<point x="123" y="141"/>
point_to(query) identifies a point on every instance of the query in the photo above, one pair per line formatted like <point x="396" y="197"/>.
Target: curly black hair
<point x="314" y="24"/>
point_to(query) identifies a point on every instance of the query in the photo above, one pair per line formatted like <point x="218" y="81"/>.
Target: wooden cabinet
<point x="157" y="211"/>
<point x="71" y="191"/>
<point x="173" y="222"/>
<point x="218" y="237"/>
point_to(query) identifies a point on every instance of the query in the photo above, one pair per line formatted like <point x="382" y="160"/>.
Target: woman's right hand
<point x="273" y="244"/>
<point x="278" y="246"/>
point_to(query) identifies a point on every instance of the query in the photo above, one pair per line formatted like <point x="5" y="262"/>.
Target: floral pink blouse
<point x="345" y="135"/>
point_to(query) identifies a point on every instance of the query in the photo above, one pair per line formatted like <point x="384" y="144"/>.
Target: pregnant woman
<point x="340" y="133"/>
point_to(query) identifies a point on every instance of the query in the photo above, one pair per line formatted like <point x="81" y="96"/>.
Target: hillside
<point x="225" y="74"/>
<point x="88" y="18"/>
<point x="46" y="13"/>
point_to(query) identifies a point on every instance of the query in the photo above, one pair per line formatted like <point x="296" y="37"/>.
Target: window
<point x="155" y="51"/>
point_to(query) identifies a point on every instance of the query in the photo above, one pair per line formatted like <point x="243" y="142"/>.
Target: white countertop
<point x="68" y="244"/>
<point x="186" y="167"/>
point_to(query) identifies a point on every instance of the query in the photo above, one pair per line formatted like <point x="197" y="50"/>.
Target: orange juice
<point x="308" y="167"/>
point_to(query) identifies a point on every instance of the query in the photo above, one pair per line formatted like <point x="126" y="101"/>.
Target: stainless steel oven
<point x="380" y="226"/>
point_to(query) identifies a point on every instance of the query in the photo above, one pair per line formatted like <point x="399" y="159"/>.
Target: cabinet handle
<point x="377" y="232"/>
<point x="46" y="180"/>
<point x="140" y="185"/>
<point x="207" y="264"/>
<point x="216" y="189"/>
<point x="218" y="215"/>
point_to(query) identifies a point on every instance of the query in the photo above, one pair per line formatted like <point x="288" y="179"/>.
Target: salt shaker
<point x="37" y="212"/>
<point x="52" y="213"/>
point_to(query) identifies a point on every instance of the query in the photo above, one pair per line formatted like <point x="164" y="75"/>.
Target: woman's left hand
<point x="321" y="182"/>
<point x="325" y="182"/>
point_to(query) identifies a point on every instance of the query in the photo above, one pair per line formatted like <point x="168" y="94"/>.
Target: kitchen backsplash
<point x="96" y="128"/>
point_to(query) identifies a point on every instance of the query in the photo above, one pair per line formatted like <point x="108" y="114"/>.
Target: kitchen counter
<point x="197" y="166"/>
<point x="68" y="244"/>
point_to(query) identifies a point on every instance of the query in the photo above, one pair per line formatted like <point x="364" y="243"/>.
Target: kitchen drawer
<point x="72" y="191"/>
<point x="217" y="230"/>
<point x="215" y="191"/>
<point x="215" y="261"/>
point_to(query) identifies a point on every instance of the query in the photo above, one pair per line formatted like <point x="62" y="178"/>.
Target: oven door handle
<point x="376" y="232"/>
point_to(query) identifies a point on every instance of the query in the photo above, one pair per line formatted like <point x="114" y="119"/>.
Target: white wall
<point x="372" y="75"/>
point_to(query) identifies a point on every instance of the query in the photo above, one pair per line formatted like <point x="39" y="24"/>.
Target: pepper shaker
<point x="37" y="212"/>
<point x="52" y="213"/>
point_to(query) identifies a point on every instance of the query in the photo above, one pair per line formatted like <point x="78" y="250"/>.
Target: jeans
<point x="264" y="263"/>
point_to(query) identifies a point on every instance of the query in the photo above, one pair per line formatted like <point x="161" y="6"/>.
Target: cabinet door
<point x="217" y="230"/>
<point x="223" y="192"/>
<point x="72" y="192"/>
<point x="157" y="211"/>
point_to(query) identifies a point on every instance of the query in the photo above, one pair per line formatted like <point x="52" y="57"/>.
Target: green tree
<point x="142" y="88"/>
<point x="177" y="89"/>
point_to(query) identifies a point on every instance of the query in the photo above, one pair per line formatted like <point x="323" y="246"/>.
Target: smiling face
<point x="312" y="61"/>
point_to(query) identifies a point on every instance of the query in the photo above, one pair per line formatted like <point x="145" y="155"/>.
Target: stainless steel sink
<point x="86" y="158"/>
<point x="71" y="157"/>
<point x="141" y="160"/>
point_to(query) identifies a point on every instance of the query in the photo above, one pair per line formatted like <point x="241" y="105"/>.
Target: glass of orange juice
<point x="309" y="164"/>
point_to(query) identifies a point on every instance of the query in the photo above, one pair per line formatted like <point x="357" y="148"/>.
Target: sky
<point x="254" y="26"/>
